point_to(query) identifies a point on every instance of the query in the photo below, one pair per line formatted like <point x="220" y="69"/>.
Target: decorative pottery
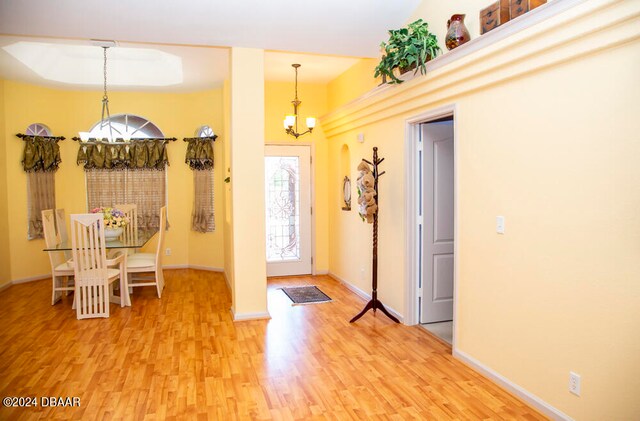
<point x="111" y="234"/>
<point x="457" y="32"/>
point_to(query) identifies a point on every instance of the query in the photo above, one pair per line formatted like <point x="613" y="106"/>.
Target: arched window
<point x="204" y="131"/>
<point x="146" y="188"/>
<point x="125" y="126"/>
<point x="38" y="129"/>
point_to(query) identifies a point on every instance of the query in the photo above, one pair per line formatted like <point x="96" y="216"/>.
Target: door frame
<point x="413" y="219"/>
<point x="312" y="191"/>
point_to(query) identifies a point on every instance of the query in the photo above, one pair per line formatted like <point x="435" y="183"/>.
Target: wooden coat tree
<point x="375" y="304"/>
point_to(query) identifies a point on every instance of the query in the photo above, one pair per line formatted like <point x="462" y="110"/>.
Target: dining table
<point x="138" y="241"/>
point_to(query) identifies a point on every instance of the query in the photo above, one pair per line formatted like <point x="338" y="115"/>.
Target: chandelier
<point x="291" y="120"/>
<point x="105" y="130"/>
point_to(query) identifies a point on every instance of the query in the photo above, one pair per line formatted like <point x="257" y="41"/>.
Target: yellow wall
<point x="351" y="240"/>
<point x="246" y="134"/>
<point x="5" y="261"/>
<point x="66" y="112"/>
<point x="547" y="135"/>
<point x="278" y="96"/>
<point x="355" y="81"/>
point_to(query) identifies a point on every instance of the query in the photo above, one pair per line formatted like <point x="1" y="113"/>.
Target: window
<point x="205" y="131"/>
<point x="147" y="188"/>
<point x="129" y="125"/>
<point x="38" y="129"/>
<point x="200" y="156"/>
<point x="41" y="185"/>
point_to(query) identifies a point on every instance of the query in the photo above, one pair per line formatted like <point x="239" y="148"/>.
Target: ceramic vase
<point x="457" y="32"/>
<point x="111" y="234"/>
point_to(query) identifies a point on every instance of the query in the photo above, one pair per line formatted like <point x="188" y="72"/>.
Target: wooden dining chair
<point x="94" y="278"/>
<point x="61" y="270"/>
<point x="130" y="232"/>
<point x="145" y="269"/>
<point x="61" y="229"/>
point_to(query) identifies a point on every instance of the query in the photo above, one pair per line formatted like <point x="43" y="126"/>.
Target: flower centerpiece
<point x="114" y="221"/>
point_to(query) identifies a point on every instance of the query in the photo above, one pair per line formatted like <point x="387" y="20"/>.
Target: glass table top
<point x="140" y="240"/>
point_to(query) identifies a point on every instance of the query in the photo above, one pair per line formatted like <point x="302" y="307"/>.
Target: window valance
<point x="199" y="154"/>
<point x="141" y="154"/>
<point x="41" y="154"/>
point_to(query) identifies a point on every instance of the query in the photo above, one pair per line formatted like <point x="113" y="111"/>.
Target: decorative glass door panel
<point x="287" y="207"/>
<point x="283" y="208"/>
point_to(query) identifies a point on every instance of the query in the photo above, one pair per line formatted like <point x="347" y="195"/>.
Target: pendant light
<point x="291" y="120"/>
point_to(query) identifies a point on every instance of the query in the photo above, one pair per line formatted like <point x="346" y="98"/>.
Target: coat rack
<point x="375" y="304"/>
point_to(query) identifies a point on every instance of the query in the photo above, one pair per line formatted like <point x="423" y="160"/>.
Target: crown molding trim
<point x="550" y="35"/>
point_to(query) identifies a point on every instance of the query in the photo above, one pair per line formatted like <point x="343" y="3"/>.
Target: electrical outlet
<point x="500" y="224"/>
<point x="167" y="252"/>
<point x="574" y="383"/>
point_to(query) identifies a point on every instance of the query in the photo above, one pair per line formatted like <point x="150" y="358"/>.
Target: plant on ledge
<point x="407" y="48"/>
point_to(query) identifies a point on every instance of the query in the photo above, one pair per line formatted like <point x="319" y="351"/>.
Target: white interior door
<point x="288" y="210"/>
<point x="438" y="234"/>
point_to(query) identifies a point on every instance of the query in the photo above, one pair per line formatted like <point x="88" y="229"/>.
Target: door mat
<point x="306" y="295"/>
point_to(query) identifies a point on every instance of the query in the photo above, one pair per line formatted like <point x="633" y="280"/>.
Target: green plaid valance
<point x="200" y="152"/>
<point x="40" y="154"/>
<point x="141" y="154"/>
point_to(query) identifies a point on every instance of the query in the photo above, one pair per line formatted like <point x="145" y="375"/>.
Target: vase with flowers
<point x="114" y="221"/>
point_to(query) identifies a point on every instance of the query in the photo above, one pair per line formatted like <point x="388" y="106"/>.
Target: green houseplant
<point x="407" y="48"/>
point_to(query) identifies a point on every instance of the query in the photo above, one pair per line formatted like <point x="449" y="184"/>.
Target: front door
<point x="438" y="235"/>
<point x="288" y="210"/>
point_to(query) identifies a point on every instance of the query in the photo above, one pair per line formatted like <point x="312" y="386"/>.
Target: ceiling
<point x="326" y="37"/>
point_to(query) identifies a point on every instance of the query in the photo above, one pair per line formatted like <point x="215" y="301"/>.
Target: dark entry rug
<point x="306" y="295"/>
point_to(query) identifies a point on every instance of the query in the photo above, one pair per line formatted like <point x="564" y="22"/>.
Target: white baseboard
<point x="198" y="267"/>
<point x="24" y="281"/>
<point x="208" y="268"/>
<point x="175" y="267"/>
<point x="48" y="275"/>
<point x="249" y="316"/>
<point x="507" y="384"/>
<point x="363" y="294"/>
<point x="322" y="272"/>
<point x="29" y="279"/>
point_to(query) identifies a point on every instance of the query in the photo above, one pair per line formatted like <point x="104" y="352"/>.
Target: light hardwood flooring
<point x="182" y="357"/>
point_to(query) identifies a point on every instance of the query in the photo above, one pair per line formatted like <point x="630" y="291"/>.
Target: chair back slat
<point x="61" y="230"/>
<point x="61" y="225"/>
<point x="130" y="231"/>
<point x="161" y="235"/>
<point x="51" y="238"/>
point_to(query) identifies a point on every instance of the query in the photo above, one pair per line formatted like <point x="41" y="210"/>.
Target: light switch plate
<point x="574" y="383"/>
<point x="500" y="224"/>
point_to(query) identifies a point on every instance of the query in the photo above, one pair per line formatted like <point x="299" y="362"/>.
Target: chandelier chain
<point x="105" y="72"/>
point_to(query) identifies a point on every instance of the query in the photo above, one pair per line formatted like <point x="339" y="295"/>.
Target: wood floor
<point x="182" y="357"/>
